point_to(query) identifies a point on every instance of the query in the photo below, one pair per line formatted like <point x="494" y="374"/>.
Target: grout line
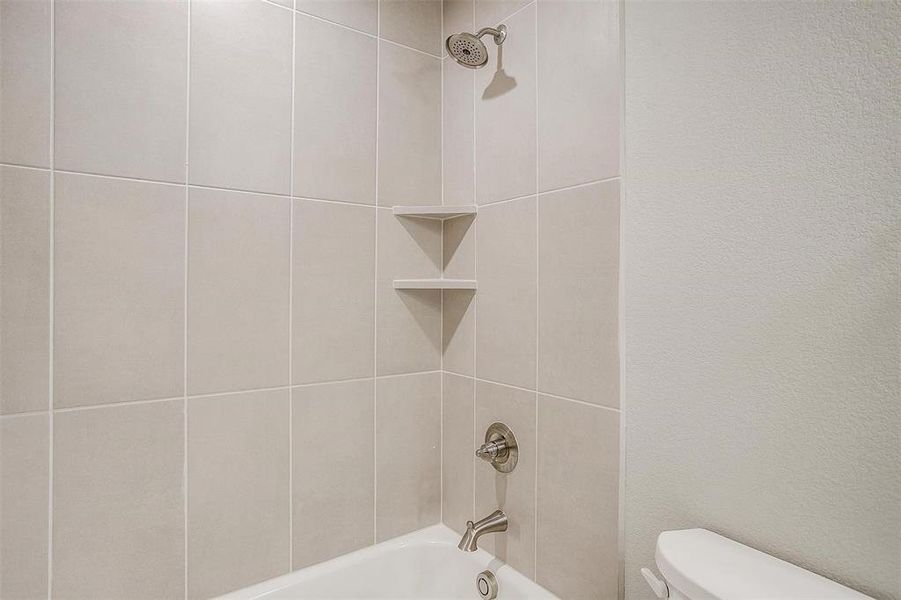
<point x="51" y="301"/>
<point x="349" y="28"/>
<point x="124" y="178"/>
<point x="516" y="12"/>
<point x="539" y="392"/>
<point x="199" y="186"/>
<point x="550" y="191"/>
<point x="621" y="474"/>
<point x="185" y="473"/>
<point x="236" y="392"/>
<point x="375" y="286"/>
<point x="25" y="413"/>
<point x="28" y="167"/>
<point x="291" y="298"/>
<point x="537" y="298"/>
<point x="116" y="404"/>
<point x="475" y="271"/>
<point x="330" y="201"/>
<point x="399" y="45"/>
<point x="443" y="268"/>
<point x="223" y="393"/>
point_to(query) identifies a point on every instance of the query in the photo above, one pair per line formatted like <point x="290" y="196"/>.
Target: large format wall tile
<point x="358" y="14"/>
<point x="505" y="335"/>
<point x="332" y="479"/>
<point x="121" y="87"/>
<point x="457" y="16"/>
<point x="409" y="127"/>
<point x="24" y="289"/>
<point x="238" y="287"/>
<point x="459" y="151"/>
<point x="240" y="134"/>
<point x="578" y="77"/>
<point x="238" y="490"/>
<point x="457" y="446"/>
<point x="118" y="502"/>
<point x="24" y="484"/>
<point x="408" y="457"/>
<point x="414" y="23"/>
<point x="334" y="112"/>
<point x="489" y="13"/>
<point x="514" y="492"/>
<point x="578" y="265"/>
<point x="458" y="306"/>
<point x="409" y="322"/>
<point x="578" y="495"/>
<point x="458" y="331"/>
<point x="119" y="290"/>
<point x="25" y="82"/>
<point x="334" y="299"/>
<point x="505" y="114"/>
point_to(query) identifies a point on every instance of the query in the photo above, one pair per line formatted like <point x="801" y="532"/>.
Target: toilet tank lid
<point x="704" y="565"/>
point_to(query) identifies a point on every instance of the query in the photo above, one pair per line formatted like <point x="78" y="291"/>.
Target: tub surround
<point x="532" y="139"/>
<point x="203" y="257"/>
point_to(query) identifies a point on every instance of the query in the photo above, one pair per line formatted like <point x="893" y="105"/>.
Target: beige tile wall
<point x="197" y="252"/>
<point x="533" y="139"/>
<point x="202" y="255"/>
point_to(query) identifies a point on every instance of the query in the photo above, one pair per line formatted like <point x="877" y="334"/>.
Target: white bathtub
<point x="425" y="564"/>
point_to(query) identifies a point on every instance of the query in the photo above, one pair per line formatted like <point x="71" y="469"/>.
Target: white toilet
<point x="697" y="564"/>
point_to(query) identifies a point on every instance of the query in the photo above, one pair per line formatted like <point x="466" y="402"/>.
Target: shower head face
<point x="467" y="49"/>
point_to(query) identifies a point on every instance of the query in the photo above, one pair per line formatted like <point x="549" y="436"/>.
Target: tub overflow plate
<point x="486" y="583"/>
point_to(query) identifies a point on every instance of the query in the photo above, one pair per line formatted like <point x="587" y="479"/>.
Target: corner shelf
<point x="435" y="284"/>
<point x="434" y="212"/>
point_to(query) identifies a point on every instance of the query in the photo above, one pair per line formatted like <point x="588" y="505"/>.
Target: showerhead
<point x="468" y="49"/>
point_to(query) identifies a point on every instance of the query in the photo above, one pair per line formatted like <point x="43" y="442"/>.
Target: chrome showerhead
<point x="468" y="49"/>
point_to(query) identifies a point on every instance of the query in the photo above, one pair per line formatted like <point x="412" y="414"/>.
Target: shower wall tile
<point x="409" y="321"/>
<point x="25" y="82"/>
<point x="578" y="292"/>
<point x="409" y="127"/>
<point x="335" y="112"/>
<point x="25" y="466"/>
<point x="333" y="478"/>
<point x="358" y="14"/>
<point x="458" y="313"/>
<point x="459" y="247"/>
<point x="514" y="492"/>
<point x="240" y="123"/>
<point x="458" y="331"/>
<point x="119" y="290"/>
<point x="507" y="296"/>
<point x="24" y="289"/>
<point x="134" y="127"/>
<point x="457" y="16"/>
<point x="118" y="502"/>
<point x="238" y="492"/>
<point x="414" y="23"/>
<point x="490" y="13"/>
<point x="457" y="445"/>
<point x="505" y="114"/>
<point x="459" y="152"/>
<point x="578" y="74"/>
<point x="408" y="461"/>
<point x="334" y="302"/>
<point x="545" y="316"/>
<point x="578" y="495"/>
<point x="238" y="291"/>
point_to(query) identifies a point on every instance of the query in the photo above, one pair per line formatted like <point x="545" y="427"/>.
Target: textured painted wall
<point x="761" y="283"/>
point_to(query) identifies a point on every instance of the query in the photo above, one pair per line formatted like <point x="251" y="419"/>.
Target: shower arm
<point x="499" y="34"/>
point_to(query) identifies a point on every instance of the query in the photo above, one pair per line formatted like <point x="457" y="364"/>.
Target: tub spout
<point x="493" y="523"/>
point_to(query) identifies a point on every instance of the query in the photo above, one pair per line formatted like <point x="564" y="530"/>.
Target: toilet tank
<point x="698" y="564"/>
